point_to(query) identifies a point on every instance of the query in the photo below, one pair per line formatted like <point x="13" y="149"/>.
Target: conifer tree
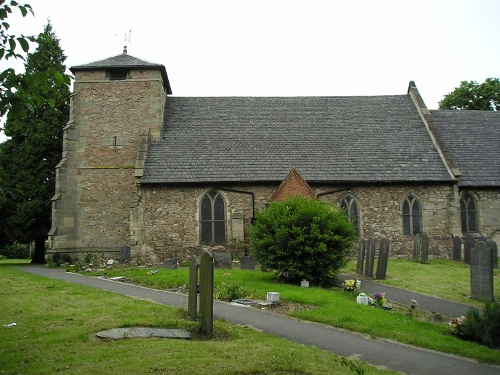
<point x="28" y="159"/>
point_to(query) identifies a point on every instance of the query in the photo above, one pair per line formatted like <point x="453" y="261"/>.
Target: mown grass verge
<point x="57" y="322"/>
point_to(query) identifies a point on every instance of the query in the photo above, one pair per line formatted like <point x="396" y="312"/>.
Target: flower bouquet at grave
<point x="379" y="299"/>
<point x="351" y="284"/>
<point x="457" y="326"/>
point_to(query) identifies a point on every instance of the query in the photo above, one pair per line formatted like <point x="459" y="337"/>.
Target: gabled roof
<point x="293" y="185"/>
<point x="329" y="139"/>
<point x="125" y="60"/>
<point x="473" y="141"/>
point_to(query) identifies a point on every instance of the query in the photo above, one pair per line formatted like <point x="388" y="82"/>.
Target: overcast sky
<point x="285" y="47"/>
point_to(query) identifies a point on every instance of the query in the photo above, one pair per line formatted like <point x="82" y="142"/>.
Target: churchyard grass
<point x="334" y="306"/>
<point x="441" y="278"/>
<point x="57" y="322"/>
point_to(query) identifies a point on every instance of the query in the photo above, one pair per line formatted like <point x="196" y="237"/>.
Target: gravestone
<point x="481" y="272"/>
<point x="222" y="260"/>
<point x="170" y="263"/>
<point x="193" y="288"/>
<point x="207" y="294"/>
<point x="494" y="253"/>
<point x="469" y="244"/>
<point x="370" y="257"/>
<point x="360" y="257"/>
<point x="247" y="263"/>
<point x="125" y="255"/>
<point x="383" y="259"/>
<point x="457" y="249"/>
<point x="416" y="247"/>
<point x="424" y="251"/>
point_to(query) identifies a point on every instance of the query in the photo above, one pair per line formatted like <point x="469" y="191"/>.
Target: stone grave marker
<point x="360" y="257"/>
<point x="170" y="263"/>
<point x="494" y="253"/>
<point x="222" y="260"/>
<point x="125" y="254"/>
<point x="481" y="272"/>
<point x="416" y="247"/>
<point x="207" y="294"/>
<point x="469" y="244"/>
<point x="193" y="288"/>
<point x="457" y="249"/>
<point x="247" y="263"/>
<point x="383" y="259"/>
<point x="370" y="257"/>
<point x="424" y="251"/>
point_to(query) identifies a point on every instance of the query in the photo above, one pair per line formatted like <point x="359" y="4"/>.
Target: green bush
<point x="302" y="239"/>
<point x="16" y="251"/>
<point x="484" y="328"/>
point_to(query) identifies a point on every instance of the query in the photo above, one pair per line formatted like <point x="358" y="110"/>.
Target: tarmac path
<point x="395" y="356"/>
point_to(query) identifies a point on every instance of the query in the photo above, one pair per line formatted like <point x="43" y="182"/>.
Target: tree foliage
<point x="302" y="239"/>
<point x="28" y="159"/>
<point x="472" y="95"/>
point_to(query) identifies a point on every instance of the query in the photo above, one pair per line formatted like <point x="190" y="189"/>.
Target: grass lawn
<point x="332" y="307"/>
<point x="441" y="278"/>
<point x="57" y="322"/>
<point x="338" y="308"/>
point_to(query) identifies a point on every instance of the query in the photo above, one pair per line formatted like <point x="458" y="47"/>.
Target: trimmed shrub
<point x="302" y="239"/>
<point x="483" y="328"/>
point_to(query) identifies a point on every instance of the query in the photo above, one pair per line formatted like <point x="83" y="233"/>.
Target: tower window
<point x="118" y="74"/>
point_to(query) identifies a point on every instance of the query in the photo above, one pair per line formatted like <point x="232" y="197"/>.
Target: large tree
<point x="9" y="48"/>
<point x="28" y="159"/>
<point x="472" y="95"/>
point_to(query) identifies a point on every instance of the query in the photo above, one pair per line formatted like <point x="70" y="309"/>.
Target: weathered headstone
<point x="469" y="244"/>
<point x="222" y="260"/>
<point x="383" y="259"/>
<point x="193" y="288"/>
<point x="247" y="263"/>
<point x="207" y="294"/>
<point x="416" y="247"/>
<point x="370" y="257"/>
<point x="360" y="257"/>
<point x="481" y="272"/>
<point x="125" y="254"/>
<point x="457" y="249"/>
<point x="170" y="263"/>
<point x="424" y="251"/>
<point x="494" y="253"/>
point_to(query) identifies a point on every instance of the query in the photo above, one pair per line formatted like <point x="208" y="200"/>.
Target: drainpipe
<point x="331" y="192"/>
<point x="242" y="192"/>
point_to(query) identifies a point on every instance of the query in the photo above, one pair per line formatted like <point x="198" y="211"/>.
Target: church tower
<point x="116" y="109"/>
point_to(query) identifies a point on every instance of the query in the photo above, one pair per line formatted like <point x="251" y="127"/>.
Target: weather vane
<point x="127" y="40"/>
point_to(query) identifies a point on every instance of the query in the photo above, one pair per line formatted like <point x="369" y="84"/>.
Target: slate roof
<point x="328" y="139"/>
<point x="473" y="141"/>
<point x="125" y="60"/>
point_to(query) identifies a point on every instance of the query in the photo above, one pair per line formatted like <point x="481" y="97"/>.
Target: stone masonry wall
<point x="96" y="182"/>
<point x="489" y="212"/>
<point x="171" y="216"/>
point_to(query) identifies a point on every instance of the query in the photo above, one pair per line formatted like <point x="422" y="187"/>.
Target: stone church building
<point x="169" y="175"/>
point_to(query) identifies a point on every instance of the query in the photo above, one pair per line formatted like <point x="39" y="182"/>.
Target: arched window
<point x="213" y="218"/>
<point x="412" y="216"/>
<point x="468" y="209"/>
<point x="351" y="209"/>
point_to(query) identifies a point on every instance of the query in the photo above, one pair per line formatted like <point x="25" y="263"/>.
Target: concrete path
<point x="394" y="356"/>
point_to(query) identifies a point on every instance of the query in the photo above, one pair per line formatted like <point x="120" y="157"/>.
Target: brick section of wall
<point x="171" y="216"/>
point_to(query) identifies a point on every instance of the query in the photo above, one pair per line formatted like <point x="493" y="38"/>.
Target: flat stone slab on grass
<point x="125" y="333"/>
